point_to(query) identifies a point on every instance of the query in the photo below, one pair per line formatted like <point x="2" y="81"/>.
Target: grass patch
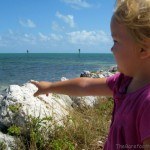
<point x="82" y="129"/>
<point x="15" y="108"/>
<point x="3" y="146"/>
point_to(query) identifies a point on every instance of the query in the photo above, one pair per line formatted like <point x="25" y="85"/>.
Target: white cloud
<point x="55" y="27"/>
<point x="12" y="39"/>
<point x="10" y="31"/>
<point x="51" y="37"/>
<point x="15" y="39"/>
<point x="78" y="3"/>
<point x="43" y="37"/>
<point x="88" y="37"/>
<point x="2" y="43"/>
<point x="86" y="40"/>
<point x="56" y="37"/>
<point x="27" y="23"/>
<point x="69" y="19"/>
<point x="28" y="38"/>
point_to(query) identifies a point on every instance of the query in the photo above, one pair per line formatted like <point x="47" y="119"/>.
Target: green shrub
<point x="14" y="130"/>
<point x="62" y="144"/>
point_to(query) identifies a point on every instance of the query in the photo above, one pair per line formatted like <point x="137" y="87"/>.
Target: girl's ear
<point x="145" y="49"/>
<point x="144" y="53"/>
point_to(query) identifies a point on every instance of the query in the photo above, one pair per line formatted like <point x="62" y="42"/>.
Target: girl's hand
<point x="43" y="87"/>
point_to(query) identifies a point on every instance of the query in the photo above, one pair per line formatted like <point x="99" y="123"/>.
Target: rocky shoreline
<point x="17" y="103"/>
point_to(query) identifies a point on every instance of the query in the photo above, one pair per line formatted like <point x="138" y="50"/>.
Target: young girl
<point x="130" y="126"/>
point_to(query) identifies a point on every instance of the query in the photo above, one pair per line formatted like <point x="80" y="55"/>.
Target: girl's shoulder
<point x="118" y="81"/>
<point x="145" y="93"/>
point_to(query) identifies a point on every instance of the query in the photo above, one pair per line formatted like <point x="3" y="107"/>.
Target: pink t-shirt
<point x="131" y="115"/>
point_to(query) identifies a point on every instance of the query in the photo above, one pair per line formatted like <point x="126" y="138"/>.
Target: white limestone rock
<point x="107" y="74"/>
<point x="63" y="79"/>
<point x="18" y="103"/>
<point x="7" y="141"/>
<point x="113" y="69"/>
<point x="85" y="101"/>
<point x="98" y="74"/>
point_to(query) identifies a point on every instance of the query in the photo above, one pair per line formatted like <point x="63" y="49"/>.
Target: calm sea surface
<point x="20" y="68"/>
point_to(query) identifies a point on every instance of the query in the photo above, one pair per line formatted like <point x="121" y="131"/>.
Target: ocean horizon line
<point x="55" y="53"/>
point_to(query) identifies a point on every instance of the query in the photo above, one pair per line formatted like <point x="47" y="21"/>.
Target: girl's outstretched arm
<point x="75" y="87"/>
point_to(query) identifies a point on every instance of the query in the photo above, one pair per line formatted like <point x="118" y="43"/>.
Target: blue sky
<point x="61" y="26"/>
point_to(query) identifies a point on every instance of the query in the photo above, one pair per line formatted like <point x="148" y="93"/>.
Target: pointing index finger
<point x="34" y="82"/>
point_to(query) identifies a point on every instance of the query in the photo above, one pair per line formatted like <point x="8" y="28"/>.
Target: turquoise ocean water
<point x="19" y="68"/>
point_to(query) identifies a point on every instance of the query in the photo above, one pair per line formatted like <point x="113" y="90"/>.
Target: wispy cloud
<point x="69" y="19"/>
<point x="56" y="27"/>
<point x="28" y="38"/>
<point x="94" y="39"/>
<point x="51" y="37"/>
<point x="27" y="23"/>
<point x="43" y="37"/>
<point x="56" y="37"/>
<point x="10" y="31"/>
<point x="16" y="40"/>
<point x="88" y="37"/>
<point x="78" y="3"/>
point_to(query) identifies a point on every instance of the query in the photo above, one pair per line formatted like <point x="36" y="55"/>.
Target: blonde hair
<point x="135" y="15"/>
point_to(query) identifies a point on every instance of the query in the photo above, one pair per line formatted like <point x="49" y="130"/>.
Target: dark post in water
<point x="79" y="51"/>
